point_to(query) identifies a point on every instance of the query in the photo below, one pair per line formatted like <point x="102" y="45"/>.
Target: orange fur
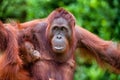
<point x="10" y="63"/>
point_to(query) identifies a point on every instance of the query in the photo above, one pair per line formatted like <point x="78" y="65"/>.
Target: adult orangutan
<point x="10" y="63"/>
<point x="12" y="54"/>
<point x="56" y="38"/>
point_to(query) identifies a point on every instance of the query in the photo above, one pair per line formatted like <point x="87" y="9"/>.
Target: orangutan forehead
<point x="60" y="21"/>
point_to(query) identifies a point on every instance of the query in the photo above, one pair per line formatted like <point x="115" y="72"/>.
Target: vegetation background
<point x="102" y="17"/>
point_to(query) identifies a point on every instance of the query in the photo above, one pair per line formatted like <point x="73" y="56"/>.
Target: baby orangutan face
<point x="33" y="53"/>
<point x="28" y="53"/>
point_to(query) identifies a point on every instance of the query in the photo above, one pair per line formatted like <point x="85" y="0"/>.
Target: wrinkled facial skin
<point x="60" y="35"/>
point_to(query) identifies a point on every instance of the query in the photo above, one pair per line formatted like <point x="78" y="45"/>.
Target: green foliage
<point x="101" y="17"/>
<point x="98" y="17"/>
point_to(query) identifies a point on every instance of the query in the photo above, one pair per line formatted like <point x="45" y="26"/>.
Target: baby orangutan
<point x="28" y="54"/>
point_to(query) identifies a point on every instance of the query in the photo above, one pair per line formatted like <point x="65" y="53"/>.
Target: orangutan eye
<point x="64" y="29"/>
<point x="55" y="28"/>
